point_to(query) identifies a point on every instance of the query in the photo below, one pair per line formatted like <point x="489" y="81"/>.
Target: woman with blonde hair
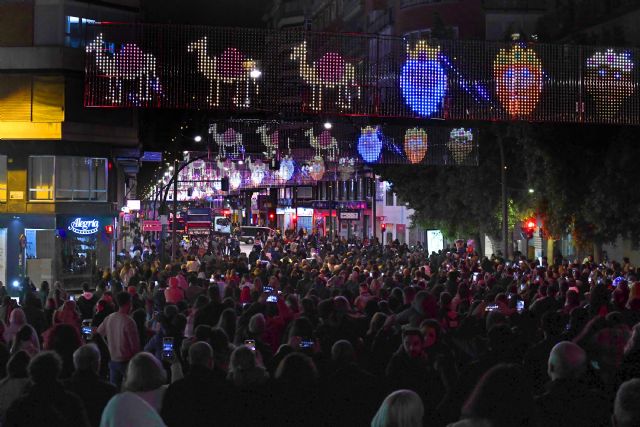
<point x="140" y="403"/>
<point x="402" y="408"/>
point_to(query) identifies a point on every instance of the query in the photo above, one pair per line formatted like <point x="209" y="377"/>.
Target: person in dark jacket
<point x="46" y="403"/>
<point x="92" y="390"/>
<point x="569" y="401"/>
<point x="203" y="394"/>
<point x="86" y="302"/>
<point x="349" y="387"/>
<point x="409" y="368"/>
<point x="34" y="313"/>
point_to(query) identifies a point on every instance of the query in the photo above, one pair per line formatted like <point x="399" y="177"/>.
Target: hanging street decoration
<point x="608" y="78"/>
<point x="129" y="65"/>
<point x="232" y="67"/>
<point x="415" y="144"/>
<point x="287" y="168"/>
<point x="258" y="171"/>
<point x="329" y="72"/>
<point x="423" y="81"/>
<point x="370" y="144"/>
<point x="518" y="75"/>
<point x="323" y="144"/>
<point x="346" y="168"/>
<point x="229" y="142"/>
<point x="460" y="144"/>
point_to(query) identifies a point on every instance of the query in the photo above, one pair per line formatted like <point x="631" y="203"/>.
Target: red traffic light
<point x="531" y="225"/>
<point x="108" y="229"/>
<point x="383" y="226"/>
<point x="271" y="216"/>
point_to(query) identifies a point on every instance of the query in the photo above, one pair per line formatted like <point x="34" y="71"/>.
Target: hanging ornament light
<point x="235" y="179"/>
<point x="316" y="168"/>
<point x="460" y="144"/>
<point x="370" y="144"/>
<point x="287" y="168"/>
<point x="415" y="144"/>
<point x="346" y="167"/>
<point x="258" y="170"/>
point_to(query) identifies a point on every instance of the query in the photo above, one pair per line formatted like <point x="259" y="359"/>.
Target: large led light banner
<point x="293" y="72"/>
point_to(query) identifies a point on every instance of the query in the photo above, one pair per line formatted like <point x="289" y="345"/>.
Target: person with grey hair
<point x="626" y="411"/>
<point x="46" y="403"/>
<point x="569" y="400"/>
<point x="140" y="403"/>
<point x="203" y="394"/>
<point x="85" y="382"/>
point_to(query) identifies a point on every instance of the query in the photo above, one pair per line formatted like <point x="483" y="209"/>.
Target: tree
<point x="464" y="201"/>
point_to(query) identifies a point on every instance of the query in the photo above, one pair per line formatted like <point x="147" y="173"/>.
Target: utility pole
<point x="174" y="224"/>
<point x="505" y="212"/>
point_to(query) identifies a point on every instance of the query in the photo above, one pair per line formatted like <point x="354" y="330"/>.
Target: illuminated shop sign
<point x="84" y="226"/>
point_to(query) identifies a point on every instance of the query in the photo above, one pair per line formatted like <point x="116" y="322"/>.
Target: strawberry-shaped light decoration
<point x="415" y="144"/>
<point x="518" y="74"/>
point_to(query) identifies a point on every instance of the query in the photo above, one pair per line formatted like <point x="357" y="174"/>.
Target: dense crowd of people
<point x="310" y="331"/>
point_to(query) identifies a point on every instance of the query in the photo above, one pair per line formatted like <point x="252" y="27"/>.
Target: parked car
<point x="248" y="233"/>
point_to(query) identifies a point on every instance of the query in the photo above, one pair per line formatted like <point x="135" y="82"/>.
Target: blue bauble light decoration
<point x="370" y="144"/>
<point x="423" y="81"/>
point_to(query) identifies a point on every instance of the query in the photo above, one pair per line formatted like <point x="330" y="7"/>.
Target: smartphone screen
<point x="251" y="344"/>
<point x="306" y="343"/>
<point x="492" y="307"/>
<point x="167" y="347"/>
<point x="272" y="298"/>
<point x="267" y="289"/>
<point x="520" y="306"/>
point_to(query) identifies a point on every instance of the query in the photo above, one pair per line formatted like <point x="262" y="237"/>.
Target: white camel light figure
<point x="269" y="141"/>
<point x="130" y="63"/>
<point x="231" y="67"/>
<point x="230" y="141"/>
<point x="325" y="142"/>
<point x="329" y="72"/>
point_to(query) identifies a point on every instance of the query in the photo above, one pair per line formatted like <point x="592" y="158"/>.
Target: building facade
<point x="64" y="169"/>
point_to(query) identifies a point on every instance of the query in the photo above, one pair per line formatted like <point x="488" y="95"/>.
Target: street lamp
<point x="328" y="125"/>
<point x="531" y="191"/>
<point x="197" y="138"/>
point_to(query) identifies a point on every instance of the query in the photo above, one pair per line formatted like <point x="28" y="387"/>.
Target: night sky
<point x="227" y="13"/>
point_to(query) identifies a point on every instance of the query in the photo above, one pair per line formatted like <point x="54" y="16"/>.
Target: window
<point x="41" y="177"/>
<point x="389" y="197"/>
<point x="3" y="178"/>
<point x="81" y="178"/>
<point x="75" y="30"/>
<point x="75" y="178"/>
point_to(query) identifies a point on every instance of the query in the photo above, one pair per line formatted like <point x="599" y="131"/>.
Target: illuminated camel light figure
<point x="329" y="72"/>
<point x="324" y="142"/>
<point x="230" y="141"/>
<point x="232" y="67"/>
<point x="269" y="141"/>
<point x="130" y="63"/>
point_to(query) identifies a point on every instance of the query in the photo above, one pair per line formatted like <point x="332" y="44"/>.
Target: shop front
<point x="27" y="248"/>
<point x="84" y="247"/>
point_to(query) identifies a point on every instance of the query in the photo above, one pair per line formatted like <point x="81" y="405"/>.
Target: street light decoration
<point x="423" y="81"/>
<point x="331" y="71"/>
<point x="346" y="167"/>
<point x="129" y="64"/>
<point x="460" y="144"/>
<point x="271" y="141"/>
<point x="608" y="78"/>
<point x="229" y="142"/>
<point x="287" y="168"/>
<point x="232" y="67"/>
<point x="518" y="75"/>
<point x="370" y="144"/>
<point x="258" y="171"/>
<point x="415" y="144"/>
<point x="314" y="169"/>
<point x="325" y="143"/>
